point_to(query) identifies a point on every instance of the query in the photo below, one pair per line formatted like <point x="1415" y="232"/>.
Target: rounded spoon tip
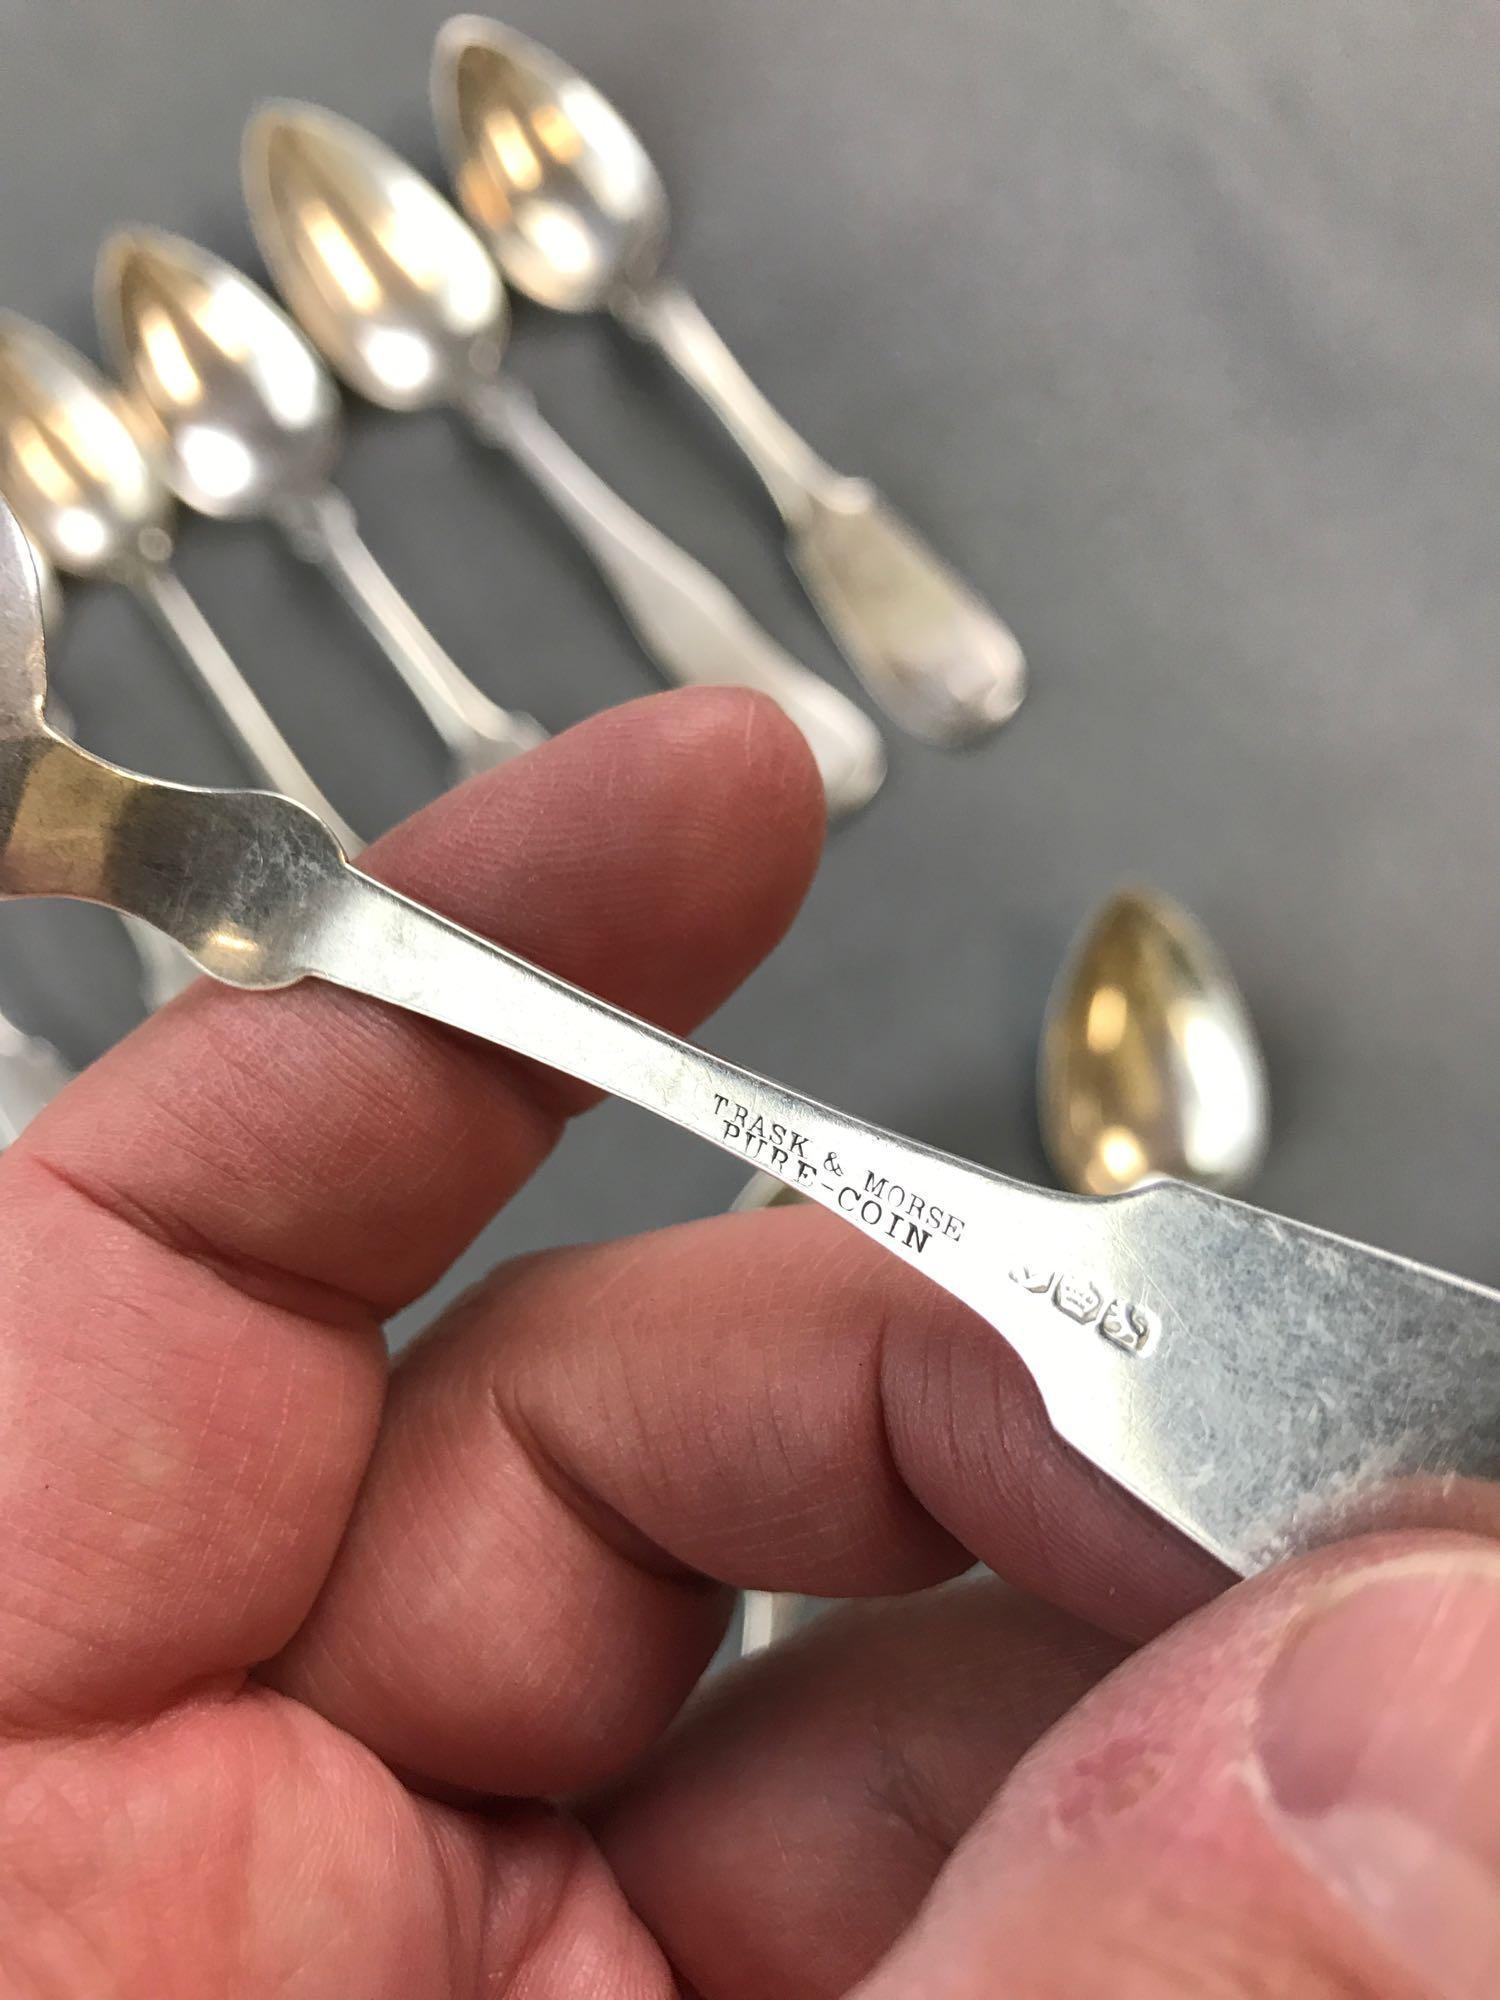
<point x="1150" y="1065"/>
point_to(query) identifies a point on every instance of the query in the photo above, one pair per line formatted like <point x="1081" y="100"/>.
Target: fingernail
<point x="1379" y="1739"/>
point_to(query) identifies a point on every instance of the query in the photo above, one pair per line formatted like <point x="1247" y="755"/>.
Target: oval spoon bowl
<point x="388" y="279"/>
<point x="1150" y="1064"/>
<point x="224" y="382"/>
<point x="71" y="464"/>
<point x="546" y="166"/>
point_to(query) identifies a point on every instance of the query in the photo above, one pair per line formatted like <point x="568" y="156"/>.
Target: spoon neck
<point x="667" y="317"/>
<point x="313" y="522"/>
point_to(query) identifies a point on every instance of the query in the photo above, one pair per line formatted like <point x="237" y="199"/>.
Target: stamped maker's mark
<point x="884" y="1206"/>
<point x="1120" y="1322"/>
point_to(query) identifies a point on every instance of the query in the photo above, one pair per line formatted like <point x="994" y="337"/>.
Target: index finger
<point x="204" y="1233"/>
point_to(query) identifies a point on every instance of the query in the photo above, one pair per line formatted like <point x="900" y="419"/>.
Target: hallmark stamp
<point x="1122" y="1323"/>
<point x="1126" y="1325"/>
<point x="1079" y="1300"/>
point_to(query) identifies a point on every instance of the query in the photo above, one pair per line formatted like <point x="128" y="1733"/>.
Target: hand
<point x="492" y="1581"/>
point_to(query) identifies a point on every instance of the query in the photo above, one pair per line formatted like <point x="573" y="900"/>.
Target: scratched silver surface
<point x="1171" y="321"/>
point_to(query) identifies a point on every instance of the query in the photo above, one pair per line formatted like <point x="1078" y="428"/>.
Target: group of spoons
<point x="230" y="404"/>
<point x="1135" y="1315"/>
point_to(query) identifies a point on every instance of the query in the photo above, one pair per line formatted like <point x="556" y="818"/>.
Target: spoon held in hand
<point x="1254" y="1382"/>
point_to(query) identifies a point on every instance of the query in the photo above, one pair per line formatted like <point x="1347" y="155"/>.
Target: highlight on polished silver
<point x="572" y="206"/>
<point x="1255" y="1382"/>
<point x="1150" y="1063"/>
<point x="50" y="591"/>
<point x="406" y="303"/>
<point x="248" y="423"/>
<point x="94" y="502"/>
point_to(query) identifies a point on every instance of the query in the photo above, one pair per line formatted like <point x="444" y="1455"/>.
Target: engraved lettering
<point x="907" y="1219"/>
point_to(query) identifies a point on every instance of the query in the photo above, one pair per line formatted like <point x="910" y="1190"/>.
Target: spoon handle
<point x="1256" y="1382"/>
<point x="265" y="749"/>
<point x="478" y="732"/>
<point x="935" y="656"/>
<point x="695" y="629"/>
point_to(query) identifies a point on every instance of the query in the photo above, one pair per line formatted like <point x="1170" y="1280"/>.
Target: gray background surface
<point x="1172" y="321"/>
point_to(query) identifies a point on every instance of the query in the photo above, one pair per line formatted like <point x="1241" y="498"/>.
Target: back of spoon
<point x="1255" y="1382"/>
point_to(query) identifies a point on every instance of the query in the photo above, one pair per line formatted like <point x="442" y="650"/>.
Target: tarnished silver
<point x="406" y="303"/>
<point x="247" y="422"/>
<point x="1256" y="1382"/>
<point x="161" y="969"/>
<point x="569" y="201"/>
<point x="92" y="499"/>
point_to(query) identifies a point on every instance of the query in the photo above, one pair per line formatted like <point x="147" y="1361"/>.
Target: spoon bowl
<point x="1150" y="1064"/>
<point x="91" y="496"/>
<point x="404" y="299"/>
<point x="247" y="421"/>
<point x="388" y="279"/>
<point x="225" y="384"/>
<point x="547" y="167"/>
<point x="71" y="464"/>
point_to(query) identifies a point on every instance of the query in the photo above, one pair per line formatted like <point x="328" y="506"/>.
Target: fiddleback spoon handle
<point x="689" y="622"/>
<point x="1255" y="1382"/>
<point x="929" y="649"/>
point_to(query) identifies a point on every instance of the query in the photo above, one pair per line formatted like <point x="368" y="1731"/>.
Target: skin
<point x="323" y="1679"/>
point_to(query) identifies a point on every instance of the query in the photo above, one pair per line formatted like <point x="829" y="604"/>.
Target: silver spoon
<point x="573" y="209"/>
<point x="1253" y="1381"/>
<point x="405" y="301"/>
<point x="1149" y="1065"/>
<point x="1149" y="1059"/>
<point x="248" y="423"/>
<point x="91" y="499"/>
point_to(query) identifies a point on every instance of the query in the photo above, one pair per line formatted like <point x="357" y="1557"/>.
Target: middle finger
<point x="521" y="1602"/>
